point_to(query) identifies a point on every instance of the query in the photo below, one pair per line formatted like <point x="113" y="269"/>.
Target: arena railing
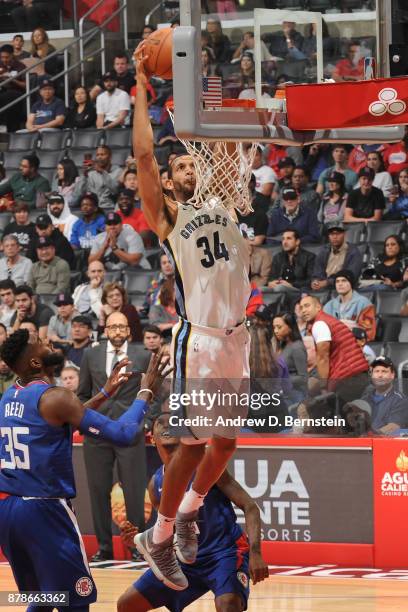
<point x="80" y="43"/>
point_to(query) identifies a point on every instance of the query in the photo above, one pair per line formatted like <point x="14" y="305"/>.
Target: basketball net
<point x="223" y="171"/>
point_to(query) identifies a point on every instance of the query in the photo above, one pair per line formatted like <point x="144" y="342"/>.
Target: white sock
<point x="163" y="528"/>
<point x="192" y="501"/>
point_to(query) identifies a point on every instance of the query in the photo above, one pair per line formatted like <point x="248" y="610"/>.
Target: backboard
<point x="256" y="50"/>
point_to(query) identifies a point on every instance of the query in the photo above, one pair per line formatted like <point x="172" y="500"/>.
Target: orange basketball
<point x="159" y="49"/>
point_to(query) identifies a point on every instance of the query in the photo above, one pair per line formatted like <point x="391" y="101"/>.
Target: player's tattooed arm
<point x="237" y="495"/>
<point x="152" y="494"/>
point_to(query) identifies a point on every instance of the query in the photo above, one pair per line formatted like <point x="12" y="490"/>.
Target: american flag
<point x="212" y="91"/>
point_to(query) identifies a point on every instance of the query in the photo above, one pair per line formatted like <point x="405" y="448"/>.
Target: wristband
<point x="146" y="390"/>
<point x="104" y="392"/>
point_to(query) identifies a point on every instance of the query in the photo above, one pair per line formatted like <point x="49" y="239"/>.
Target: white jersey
<point x="211" y="263"/>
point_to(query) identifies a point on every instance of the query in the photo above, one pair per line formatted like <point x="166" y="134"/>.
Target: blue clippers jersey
<point x="35" y="457"/>
<point x="217" y="522"/>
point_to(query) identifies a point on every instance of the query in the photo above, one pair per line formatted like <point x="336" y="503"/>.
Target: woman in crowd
<point x="208" y="65"/>
<point x="383" y="179"/>
<point x="82" y="113"/>
<point x="41" y="48"/>
<point x="389" y="266"/>
<point x="219" y="42"/>
<point x="21" y="226"/>
<point x="309" y="45"/>
<point x="269" y="374"/>
<point x="399" y="198"/>
<point x="334" y="201"/>
<point x="65" y="181"/>
<point x="287" y="343"/>
<point x="164" y="313"/>
<point x="92" y="223"/>
<point x="115" y="299"/>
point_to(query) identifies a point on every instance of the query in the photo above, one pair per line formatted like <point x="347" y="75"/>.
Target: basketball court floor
<point x="278" y="594"/>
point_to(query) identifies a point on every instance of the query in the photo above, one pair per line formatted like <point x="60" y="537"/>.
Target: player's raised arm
<point x="153" y="205"/>
<point x="59" y="406"/>
<point x="232" y="489"/>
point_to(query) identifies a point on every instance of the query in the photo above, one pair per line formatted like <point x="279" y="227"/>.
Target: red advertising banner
<point x="390" y="502"/>
<point x="347" y="105"/>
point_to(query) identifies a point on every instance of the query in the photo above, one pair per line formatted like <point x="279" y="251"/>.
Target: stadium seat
<point x="137" y="299"/>
<point x="272" y="248"/>
<point x="388" y="302"/>
<point x="113" y="276"/>
<point x="119" y="156"/>
<point x="379" y="231"/>
<point x="11" y="159"/>
<point x="403" y="335"/>
<point x="161" y="154"/>
<point x="76" y="278"/>
<point x="118" y="138"/>
<point x="378" y="348"/>
<point x="397" y="352"/>
<point x="53" y="141"/>
<point x="319" y="5"/>
<point x="48" y="299"/>
<point x="86" y="139"/>
<point x="138" y="282"/>
<point x="375" y="249"/>
<point x="78" y="155"/>
<point x="23" y="142"/>
<point x="153" y="257"/>
<point x="49" y="159"/>
<point x="388" y="328"/>
<point x="48" y="173"/>
<point x="5" y="218"/>
<point x="354" y="232"/>
<point x="322" y="296"/>
<point x="272" y="298"/>
<point x="312" y="248"/>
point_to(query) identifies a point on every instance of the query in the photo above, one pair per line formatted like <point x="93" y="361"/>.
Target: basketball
<point x="159" y="46"/>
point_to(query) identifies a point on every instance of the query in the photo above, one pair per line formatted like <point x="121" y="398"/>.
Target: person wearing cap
<point x="340" y="158"/>
<point x="131" y="215"/>
<point x="29" y="308"/>
<point x="335" y="256"/>
<point x="101" y="177"/>
<point x="334" y="199"/>
<point x="367" y="202"/>
<point x="45" y="229"/>
<point x="49" y="112"/>
<point x="292" y="266"/>
<point x="340" y="363"/>
<point x="255" y="223"/>
<point x="81" y="338"/>
<point x="13" y="265"/>
<point x="59" y="327"/>
<point x="119" y="246"/>
<point x="60" y="214"/>
<point x="10" y="66"/>
<point x="294" y="216"/>
<point x="389" y="408"/>
<point x="350" y="307"/>
<point x="286" y="166"/>
<point x="21" y="226"/>
<point x="124" y="75"/>
<point x="264" y="175"/>
<point x="26" y="184"/>
<point x="50" y="274"/>
<point x="85" y="230"/>
<point x="113" y="105"/>
<point x="360" y="335"/>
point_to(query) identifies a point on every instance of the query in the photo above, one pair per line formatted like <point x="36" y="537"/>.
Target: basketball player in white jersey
<point x="211" y="341"/>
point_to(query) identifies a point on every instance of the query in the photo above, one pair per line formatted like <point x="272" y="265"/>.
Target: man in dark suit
<point x="100" y="456"/>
